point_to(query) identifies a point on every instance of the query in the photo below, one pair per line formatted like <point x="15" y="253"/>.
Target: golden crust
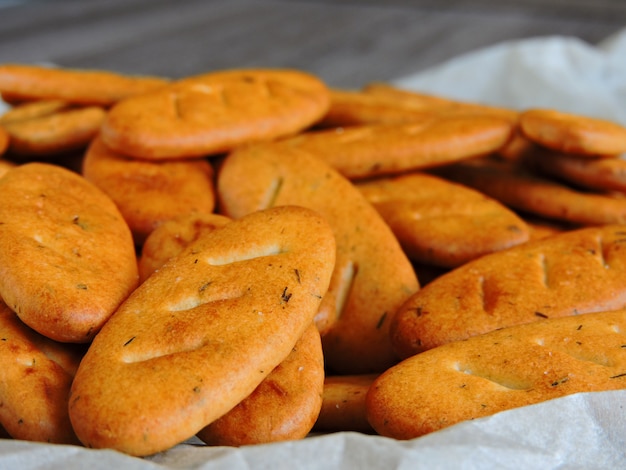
<point x="515" y="186"/>
<point x="367" y="151"/>
<point x="442" y="223"/>
<point x="67" y="259"/>
<point x="148" y="193"/>
<point x="372" y="275"/>
<point x="500" y="370"/>
<point x="35" y="381"/>
<point x="573" y="133"/>
<point x="343" y="408"/>
<point x="175" y="346"/>
<point x="33" y="109"/>
<point x="55" y="133"/>
<point x="599" y="174"/>
<point x="212" y="113"/>
<point x="283" y="407"/>
<point x="20" y="82"/>
<point x="171" y="237"/>
<point x="574" y="272"/>
<point x="382" y="103"/>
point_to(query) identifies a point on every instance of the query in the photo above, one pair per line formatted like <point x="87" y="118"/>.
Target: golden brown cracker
<point x="368" y="151"/>
<point x="148" y="193"/>
<point x="573" y="133"/>
<point x="600" y="174"/>
<point x="201" y="334"/>
<point x="33" y="109"/>
<point x="355" y="108"/>
<point x="382" y="103"/>
<point x="55" y="133"/>
<point x="67" y="259"/>
<point x="35" y="381"/>
<point x="6" y="165"/>
<point x="172" y="236"/>
<point x="575" y="272"/>
<point x="24" y="82"/>
<point x="283" y="407"/>
<point x="517" y="187"/>
<point x="372" y="275"/>
<point x="439" y="104"/>
<point x="500" y="370"/>
<point x="212" y="113"/>
<point x="4" y="140"/>
<point x="343" y="407"/>
<point x="442" y="223"/>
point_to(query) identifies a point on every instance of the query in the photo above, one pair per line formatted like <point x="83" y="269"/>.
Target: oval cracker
<point x="574" y="272"/>
<point x="200" y="335"/>
<point x="67" y="259"/>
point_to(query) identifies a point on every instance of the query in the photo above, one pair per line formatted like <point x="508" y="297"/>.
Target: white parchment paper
<point x="555" y="72"/>
<point x="583" y="431"/>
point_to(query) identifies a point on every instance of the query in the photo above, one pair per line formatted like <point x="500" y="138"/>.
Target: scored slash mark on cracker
<point x="347" y="275"/>
<point x="172" y="236"/>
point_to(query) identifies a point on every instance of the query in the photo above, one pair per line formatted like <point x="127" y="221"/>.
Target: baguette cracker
<point x="199" y="335"/>
<point x="500" y="370"/>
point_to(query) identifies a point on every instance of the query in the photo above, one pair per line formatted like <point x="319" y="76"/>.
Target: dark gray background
<point x="347" y="43"/>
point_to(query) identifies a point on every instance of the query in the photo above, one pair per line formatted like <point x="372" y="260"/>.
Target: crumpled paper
<point x="557" y="72"/>
<point x="582" y="431"/>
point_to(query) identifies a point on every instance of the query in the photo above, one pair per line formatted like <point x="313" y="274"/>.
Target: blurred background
<point x="346" y="42"/>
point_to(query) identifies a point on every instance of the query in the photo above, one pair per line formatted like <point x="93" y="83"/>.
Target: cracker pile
<point x="248" y="255"/>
